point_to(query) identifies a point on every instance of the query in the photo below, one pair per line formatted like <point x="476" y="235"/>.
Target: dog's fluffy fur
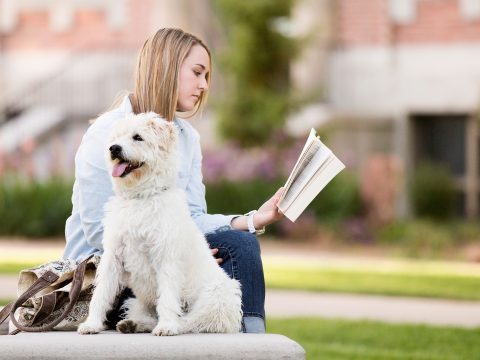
<point x="152" y="245"/>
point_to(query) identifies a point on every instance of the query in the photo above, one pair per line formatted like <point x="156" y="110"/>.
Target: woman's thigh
<point x="240" y="252"/>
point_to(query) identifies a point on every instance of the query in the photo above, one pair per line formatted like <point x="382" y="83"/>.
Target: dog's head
<point x="141" y="151"/>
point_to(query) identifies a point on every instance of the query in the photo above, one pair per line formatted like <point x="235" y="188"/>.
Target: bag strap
<point x="77" y="283"/>
<point x="41" y="283"/>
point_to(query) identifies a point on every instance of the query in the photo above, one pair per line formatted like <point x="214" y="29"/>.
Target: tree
<point x="256" y="65"/>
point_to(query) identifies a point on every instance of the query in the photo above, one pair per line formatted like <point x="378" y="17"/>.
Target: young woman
<point x="173" y="75"/>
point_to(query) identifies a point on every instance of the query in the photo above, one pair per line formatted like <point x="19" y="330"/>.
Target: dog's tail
<point x="218" y="309"/>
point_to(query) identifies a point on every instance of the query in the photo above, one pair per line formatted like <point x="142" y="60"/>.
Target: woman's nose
<point x="203" y="84"/>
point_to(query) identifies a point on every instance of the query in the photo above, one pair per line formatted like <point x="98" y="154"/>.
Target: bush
<point x="339" y="200"/>
<point x="433" y="192"/>
<point x="227" y="197"/>
<point x="422" y="238"/>
<point x="33" y="208"/>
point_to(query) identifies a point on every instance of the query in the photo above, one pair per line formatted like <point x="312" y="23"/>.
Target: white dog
<point x="152" y="245"/>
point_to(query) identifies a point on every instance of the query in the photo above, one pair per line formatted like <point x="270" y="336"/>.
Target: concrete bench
<point x="114" y="345"/>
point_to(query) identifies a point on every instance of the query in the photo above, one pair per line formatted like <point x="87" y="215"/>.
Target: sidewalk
<point x="282" y="303"/>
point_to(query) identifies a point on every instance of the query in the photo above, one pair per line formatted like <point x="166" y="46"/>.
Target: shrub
<point x="33" y="208"/>
<point x="427" y="238"/>
<point x="433" y="192"/>
<point x="339" y="200"/>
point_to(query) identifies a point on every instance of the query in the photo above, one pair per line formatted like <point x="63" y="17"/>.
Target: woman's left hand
<point x="268" y="213"/>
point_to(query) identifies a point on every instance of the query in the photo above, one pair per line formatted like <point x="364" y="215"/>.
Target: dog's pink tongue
<point x="119" y="169"/>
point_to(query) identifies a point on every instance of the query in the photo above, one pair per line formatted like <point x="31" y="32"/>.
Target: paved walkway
<point x="281" y="303"/>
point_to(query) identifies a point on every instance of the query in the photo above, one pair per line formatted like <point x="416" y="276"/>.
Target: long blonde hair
<point x="157" y="72"/>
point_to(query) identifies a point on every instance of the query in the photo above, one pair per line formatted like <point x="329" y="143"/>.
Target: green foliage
<point x="433" y="192"/>
<point x="257" y="62"/>
<point x="368" y="340"/>
<point x="34" y="208"/>
<point x="427" y="238"/>
<point x="228" y="197"/>
<point x="339" y="200"/>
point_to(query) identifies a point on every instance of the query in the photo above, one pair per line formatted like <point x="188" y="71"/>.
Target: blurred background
<point x="391" y="86"/>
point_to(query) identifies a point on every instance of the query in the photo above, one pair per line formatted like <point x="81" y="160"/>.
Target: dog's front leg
<point x="107" y="283"/>
<point x="168" y="303"/>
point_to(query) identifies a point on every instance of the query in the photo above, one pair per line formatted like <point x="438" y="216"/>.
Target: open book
<point x="315" y="168"/>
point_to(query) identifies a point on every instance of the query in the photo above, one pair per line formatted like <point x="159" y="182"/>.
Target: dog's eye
<point x="137" y="137"/>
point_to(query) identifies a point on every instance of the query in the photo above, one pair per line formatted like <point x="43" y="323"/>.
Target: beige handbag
<point x="53" y="296"/>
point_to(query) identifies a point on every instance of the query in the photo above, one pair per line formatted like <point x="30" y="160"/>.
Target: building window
<point x="470" y="9"/>
<point x="402" y="11"/>
<point x="441" y="139"/>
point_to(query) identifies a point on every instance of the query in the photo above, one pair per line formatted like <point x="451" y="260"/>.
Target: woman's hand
<point x="268" y="213"/>
<point x="214" y="252"/>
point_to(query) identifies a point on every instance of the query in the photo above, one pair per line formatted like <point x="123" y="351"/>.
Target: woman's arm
<point x="267" y="213"/>
<point x="208" y="223"/>
<point x="94" y="186"/>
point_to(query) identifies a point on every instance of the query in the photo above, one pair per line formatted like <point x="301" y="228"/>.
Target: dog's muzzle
<point x="116" y="152"/>
<point x="124" y="166"/>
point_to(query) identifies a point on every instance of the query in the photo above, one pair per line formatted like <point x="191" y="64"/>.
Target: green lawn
<point x="463" y="287"/>
<point x="341" y="339"/>
<point x="396" y="277"/>
<point x="404" y="278"/>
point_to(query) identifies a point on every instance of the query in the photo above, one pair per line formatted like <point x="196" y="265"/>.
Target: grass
<point x="422" y="278"/>
<point x="387" y="277"/>
<point x="343" y="339"/>
<point x="13" y="268"/>
<point x="364" y="282"/>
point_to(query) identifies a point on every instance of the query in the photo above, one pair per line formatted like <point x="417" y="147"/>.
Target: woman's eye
<point x="137" y="137"/>
<point x="197" y="73"/>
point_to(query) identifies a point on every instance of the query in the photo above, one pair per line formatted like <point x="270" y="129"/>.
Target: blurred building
<point x="404" y="78"/>
<point x="64" y="62"/>
<point x="397" y="77"/>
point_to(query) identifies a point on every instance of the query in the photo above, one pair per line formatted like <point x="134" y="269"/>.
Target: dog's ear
<point x="165" y="130"/>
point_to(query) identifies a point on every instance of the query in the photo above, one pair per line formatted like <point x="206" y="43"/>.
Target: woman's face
<point x="193" y="78"/>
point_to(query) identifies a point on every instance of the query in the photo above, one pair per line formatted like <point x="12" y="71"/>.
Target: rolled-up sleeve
<point x="93" y="186"/>
<point x="208" y="223"/>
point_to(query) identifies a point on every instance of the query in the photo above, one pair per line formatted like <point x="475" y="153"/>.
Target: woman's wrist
<point x="239" y="223"/>
<point x="248" y="222"/>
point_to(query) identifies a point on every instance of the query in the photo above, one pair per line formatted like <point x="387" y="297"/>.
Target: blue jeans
<point x="240" y="252"/>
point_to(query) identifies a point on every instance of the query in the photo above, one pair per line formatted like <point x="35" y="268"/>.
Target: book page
<point x="324" y="175"/>
<point x="311" y="166"/>
<point x="307" y="153"/>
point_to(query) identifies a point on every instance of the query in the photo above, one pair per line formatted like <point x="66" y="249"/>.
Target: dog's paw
<point x="127" y="326"/>
<point x="166" y="329"/>
<point x="86" y="329"/>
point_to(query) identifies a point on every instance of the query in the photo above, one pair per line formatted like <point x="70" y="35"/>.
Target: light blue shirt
<point x="93" y="187"/>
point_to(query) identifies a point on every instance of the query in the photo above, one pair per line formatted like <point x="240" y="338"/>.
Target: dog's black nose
<point x="115" y="150"/>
